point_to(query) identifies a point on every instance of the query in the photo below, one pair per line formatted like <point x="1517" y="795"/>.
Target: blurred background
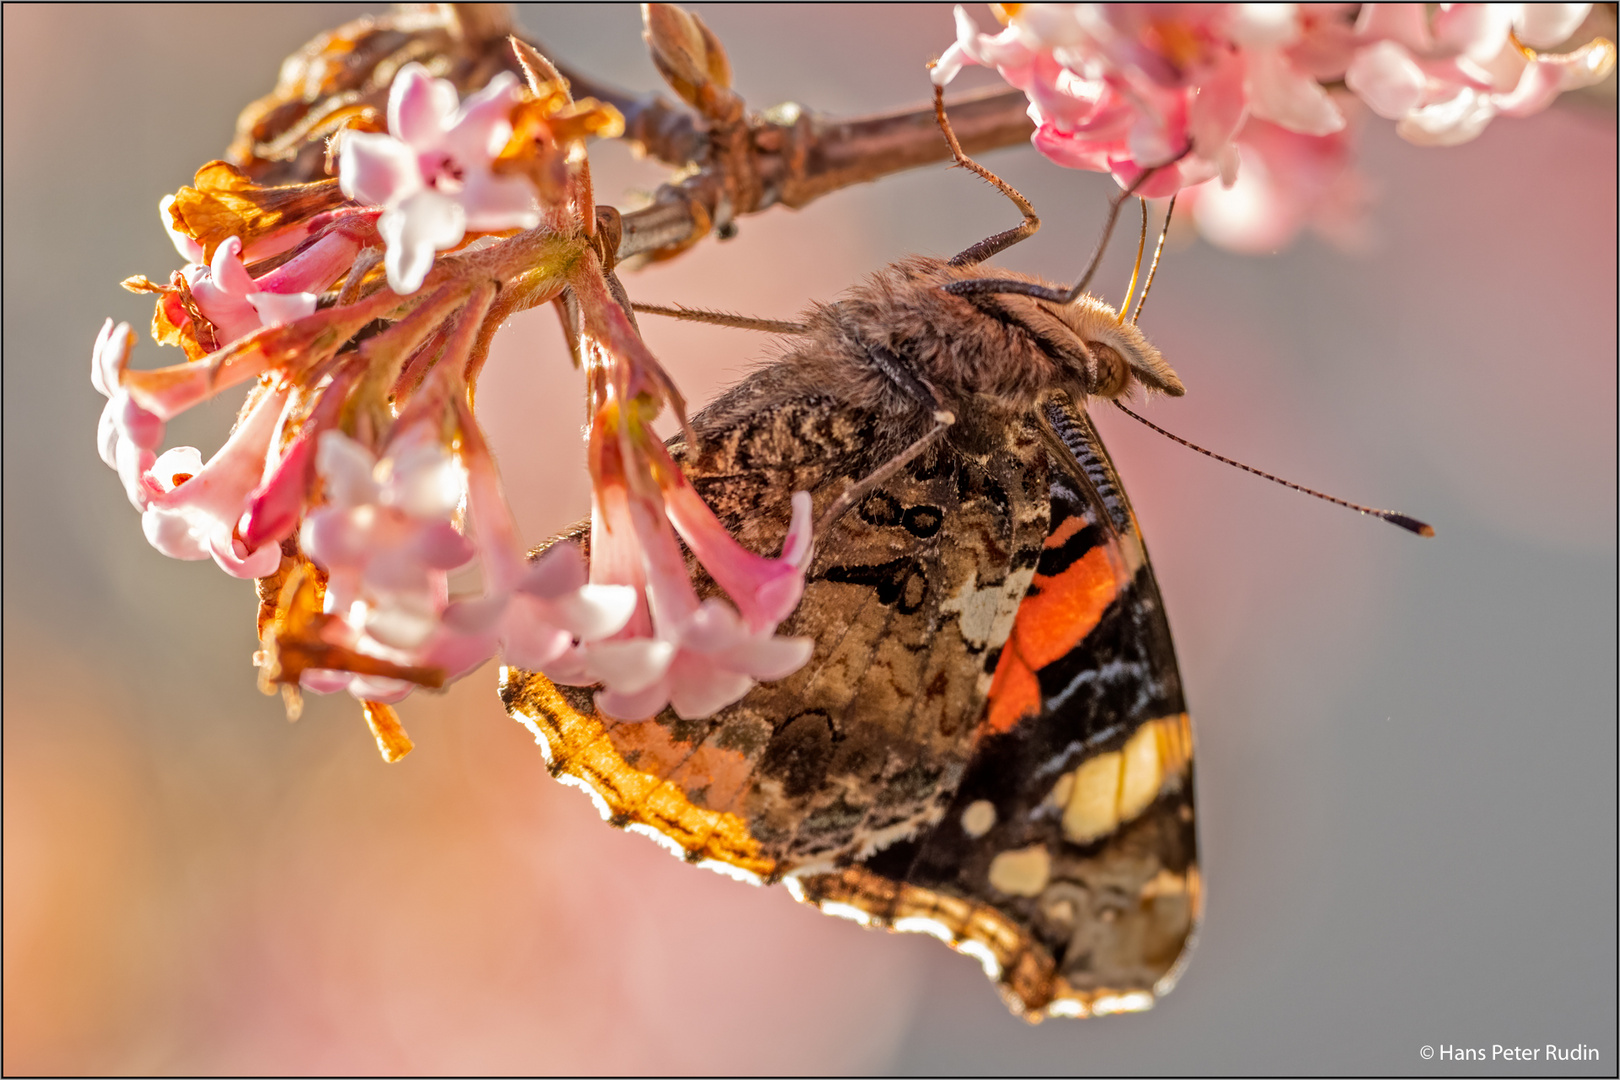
<point x="1406" y="748"/>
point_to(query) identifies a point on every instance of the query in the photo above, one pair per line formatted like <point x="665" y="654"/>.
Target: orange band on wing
<point x="1061" y="610"/>
<point x="1056" y="615"/>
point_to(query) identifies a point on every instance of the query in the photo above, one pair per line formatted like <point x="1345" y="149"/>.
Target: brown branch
<point x="791" y="156"/>
<point x="737" y="162"/>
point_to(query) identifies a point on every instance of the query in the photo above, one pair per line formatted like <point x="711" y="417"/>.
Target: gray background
<point x="1406" y="748"/>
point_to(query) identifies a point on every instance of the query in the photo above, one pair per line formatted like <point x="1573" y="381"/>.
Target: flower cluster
<point x="357" y="478"/>
<point x="1241" y="104"/>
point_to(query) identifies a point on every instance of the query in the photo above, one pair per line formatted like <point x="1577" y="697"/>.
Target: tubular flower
<point x="694" y="655"/>
<point x="128" y="435"/>
<point x="432" y="173"/>
<point x="1444" y="83"/>
<point x="1191" y="94"/>
<point x="357" y="477"/>
<point x="195" y="515"/>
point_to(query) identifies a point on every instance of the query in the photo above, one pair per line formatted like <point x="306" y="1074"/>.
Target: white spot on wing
<point x="846" y="911"/>
<point x="981" y="952"/>
<point x="916" y="924"/>
<point x="596" y="799"/>
<point x="984" y="613"/>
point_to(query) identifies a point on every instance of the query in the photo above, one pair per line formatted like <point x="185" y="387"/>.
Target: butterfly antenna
<point x="1410" y="524"/>
<point x="1001" y="241"/>
<point x="1153" y="268"/>
<point x="1136" y="267"/>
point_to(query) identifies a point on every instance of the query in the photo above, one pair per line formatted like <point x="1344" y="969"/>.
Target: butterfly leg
<point x="1000" y="242"/>
<point x="722" y="318"/>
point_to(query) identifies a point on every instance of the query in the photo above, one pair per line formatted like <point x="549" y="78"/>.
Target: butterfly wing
<point x="1067" y="859"/>
<point x="907" y="601"/>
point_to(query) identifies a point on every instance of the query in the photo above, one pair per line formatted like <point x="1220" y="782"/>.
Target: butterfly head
<point x="1114" y="355"/>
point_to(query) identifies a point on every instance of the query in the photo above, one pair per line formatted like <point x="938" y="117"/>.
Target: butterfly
<point x="989" y="743"/>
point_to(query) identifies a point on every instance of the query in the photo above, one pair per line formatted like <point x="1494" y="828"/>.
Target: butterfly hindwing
<point x="1067" y="860"/>
<point x="908" y="600"/>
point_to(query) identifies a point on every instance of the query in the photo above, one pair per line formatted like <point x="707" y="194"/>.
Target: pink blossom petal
<point x="415" y="230"/>
<point x="765" y="590"/>
<point x="236" y="559"/>
<point x="483" y="124"/>
<point x="1551" y="75"/>
<point x="1478" y="31"/>
<point x="1071" y="150"/>
<point x="278" y="309"/>
<point x="422" y="478"/>
<point x="197" y="518"/>
<point x="699" y="690"/>
<point x="324" y="680"/>
<point x="1283" y="94"/>
<point x="276" y="507"/>
<point x="1050" y="26"/>
<point x="1542" y="26"/>
<point x="346" y="467"/>
<point x="623" y="705"/>
<point x="495" y="203"/>
<point x="629" y="666"/>
<point x="529" y="638"/>
<point x="713" y="627"/>
<point x="380" y="689"/>
<point x="329" y="538"/>
<point x="227" y="270"/>
<point x="800" y="542"/>
<point x="559" y="571"/>
<point x="376" y="169"/>
<point x="440" y="547"/>
<point x="400" y="624"/>
<point x="949" y="65"/>
<point x="313" y="269"/>
<point x="134" y="464"/>
<point x="1452" y="122"/>
<point x="1387" y="78"/>
<point x="1218" y="108"/>
<point x="220" y="292"/>
<point x="458" y="653"/>
<point x="420" y="107"/>
<point x="1263" y="26"/>
<point x="769" y="658"/>
<point x="595" y="611"/>
<point x="1405" y="24"/>
<point x="110" y="355"/>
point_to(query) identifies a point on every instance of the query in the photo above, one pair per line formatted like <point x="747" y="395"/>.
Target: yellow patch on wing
<point x="1108" y="790"/>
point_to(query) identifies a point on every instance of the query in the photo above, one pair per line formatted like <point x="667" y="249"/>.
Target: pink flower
<point x="237" y="304"/>
<point x="696" y="656"/>
<point x="385" y="537"/>
<point x="128" y="435"/>
<point x="194" y="515"/>
<point x="1287" y="182"/>
<point x="432" y="171"/>
<point x="1185" y="89"/>
<point x="1444" y="83"/>
<point x="1126" y="88"/>
<point x="533" y="612"/>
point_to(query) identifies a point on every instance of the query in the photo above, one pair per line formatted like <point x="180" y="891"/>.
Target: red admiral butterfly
<point x="989" y="743"/>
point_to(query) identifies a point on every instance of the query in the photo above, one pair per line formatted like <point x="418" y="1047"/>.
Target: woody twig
<point x="735" y="161"/>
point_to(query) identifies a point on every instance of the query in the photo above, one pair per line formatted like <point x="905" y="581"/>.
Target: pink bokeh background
<point x="1406" y="748"/>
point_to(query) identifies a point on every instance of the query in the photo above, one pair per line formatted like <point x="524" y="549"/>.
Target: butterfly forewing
<point x="1067" y="859"/>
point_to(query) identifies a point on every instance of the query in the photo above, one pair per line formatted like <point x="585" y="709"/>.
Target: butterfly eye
<point x="1107" y="374"/>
